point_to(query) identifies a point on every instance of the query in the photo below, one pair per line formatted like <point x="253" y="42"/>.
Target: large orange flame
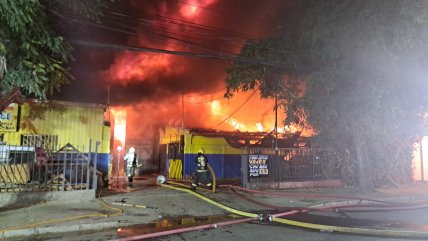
<point x="119" y="115"/>
<point x="173" y="76"/>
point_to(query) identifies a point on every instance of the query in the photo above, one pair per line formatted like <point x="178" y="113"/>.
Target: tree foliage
<point x="36" y="52"/>
<point x="363" y="67"/>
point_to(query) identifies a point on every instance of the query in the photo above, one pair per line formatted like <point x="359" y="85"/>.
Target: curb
<point x="59" y="229"/>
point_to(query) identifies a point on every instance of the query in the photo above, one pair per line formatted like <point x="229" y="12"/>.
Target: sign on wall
<point x="258" y="165"/>
<point x="9" y="117"/>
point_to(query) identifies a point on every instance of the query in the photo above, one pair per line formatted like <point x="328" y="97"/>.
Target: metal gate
<point x="147" y="157"/>
<point x="288" y="165"/>
<point x="31" y="168"/>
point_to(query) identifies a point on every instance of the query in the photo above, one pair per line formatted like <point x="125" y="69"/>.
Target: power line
<point x="182" y="22"/>
<point x="186" y="29"/>
<point x="180" y="53"/>
<point x="150" y="32"/>
<point x="227" y="35"/>
<point x="230" y="115"/>
<point x="208" y="93"/>
<point x="205" y="101"/>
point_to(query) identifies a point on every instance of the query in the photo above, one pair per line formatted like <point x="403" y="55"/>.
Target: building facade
<point x="57" y="124"/>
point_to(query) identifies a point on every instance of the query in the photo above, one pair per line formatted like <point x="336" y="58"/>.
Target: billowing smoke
<point x="153" y="86"/>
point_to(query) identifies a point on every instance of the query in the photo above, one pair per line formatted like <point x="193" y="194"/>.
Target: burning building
<point x="179" y="147"/>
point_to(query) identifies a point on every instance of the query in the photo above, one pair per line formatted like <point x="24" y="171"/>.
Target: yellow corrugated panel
<point x="175" y="169"/>
<point x="14" y="173"/>
<point x="211" y="145"/>
<point x="76" y="124"/>
<point x="106" y="139"/>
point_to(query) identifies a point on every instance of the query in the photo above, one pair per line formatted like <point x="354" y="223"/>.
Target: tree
<point x="363" y="67"/>
<point x="33" y="51"/>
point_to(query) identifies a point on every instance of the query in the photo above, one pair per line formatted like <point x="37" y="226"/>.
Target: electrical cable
<point x="180" y="53"/>
<point x="206" y="93"/>
<point x="187" y="29"/>
<point x="178" y="41"/>
<point x="230" y="115"/>
<point x="205" y="101"/>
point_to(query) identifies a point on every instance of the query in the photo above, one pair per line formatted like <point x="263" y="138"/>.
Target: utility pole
<point x="182" y="108"/>
<point x="276" y="118"/>
<point x="108" y="93"/>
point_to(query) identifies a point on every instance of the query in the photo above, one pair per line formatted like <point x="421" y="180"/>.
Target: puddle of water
<point x="172" y="223"/>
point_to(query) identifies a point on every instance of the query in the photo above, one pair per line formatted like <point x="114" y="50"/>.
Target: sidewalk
<point x="78" y="215"/>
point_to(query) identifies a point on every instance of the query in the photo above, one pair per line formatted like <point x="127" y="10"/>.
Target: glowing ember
<point x="216" y="108"/>
<point x="259" y="126"/>
<point x="119" y="116"/>
<point x="191" y="8"/>
<point x="288" y="128"/>
<point x="236" y="124"/>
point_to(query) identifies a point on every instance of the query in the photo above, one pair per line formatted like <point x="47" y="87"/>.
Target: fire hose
<point x="276" y="218"/>
<point x="360" y="206"/>
<point x="331" y="228"/>
<point x="303" y="195"/>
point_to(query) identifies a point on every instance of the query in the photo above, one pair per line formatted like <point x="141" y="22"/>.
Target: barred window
<point x="48" y="142"/>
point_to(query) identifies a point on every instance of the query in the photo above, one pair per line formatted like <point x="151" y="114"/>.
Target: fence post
<point x="244" y="167"/>
<point x="88" y="173"/>
<point x="94" y="180"/>
<point x="64" y="169"/>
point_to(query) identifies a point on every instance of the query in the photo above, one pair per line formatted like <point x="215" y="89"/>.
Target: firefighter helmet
<point x="201" y="151"/>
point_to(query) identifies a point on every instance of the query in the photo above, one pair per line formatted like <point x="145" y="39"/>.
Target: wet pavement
<point x="170" y="223"/>
<point x="170" y="209"/>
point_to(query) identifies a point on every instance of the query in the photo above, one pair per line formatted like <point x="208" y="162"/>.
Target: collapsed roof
<point x="239" y="139"/>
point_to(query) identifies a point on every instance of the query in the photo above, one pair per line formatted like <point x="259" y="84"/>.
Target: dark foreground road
<point x="256" y="231"/>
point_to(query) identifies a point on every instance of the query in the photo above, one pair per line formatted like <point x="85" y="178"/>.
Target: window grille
<point x="48" y="142"/>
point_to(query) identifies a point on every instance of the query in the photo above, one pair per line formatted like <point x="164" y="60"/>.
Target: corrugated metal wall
<point x="223" y="158"/>
<point x="73" y="123"/>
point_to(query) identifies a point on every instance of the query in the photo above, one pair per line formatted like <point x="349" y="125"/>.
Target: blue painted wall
<point x="224" y="165"/>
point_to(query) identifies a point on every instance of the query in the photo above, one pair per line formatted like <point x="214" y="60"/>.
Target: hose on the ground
<point x="303" y="195"/>
<point x="188" y="229"/>
<point x="371" y="206"/>
<point x="214" y="180"/>
<point x="321" y="227"/>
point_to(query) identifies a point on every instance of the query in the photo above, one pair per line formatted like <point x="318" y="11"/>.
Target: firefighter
<point x="131" y="164"/>
<point x="200" y="176"/>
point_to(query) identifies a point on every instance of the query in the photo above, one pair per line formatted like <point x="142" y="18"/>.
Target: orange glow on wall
<point x="119" y="116"/>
